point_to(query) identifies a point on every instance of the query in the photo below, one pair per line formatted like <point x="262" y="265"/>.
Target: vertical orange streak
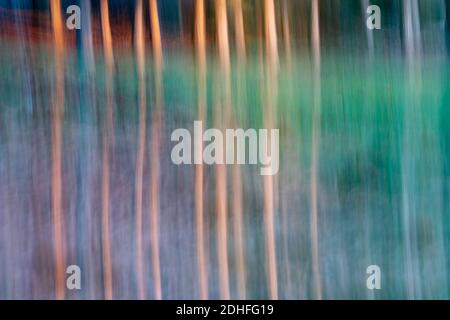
<point x="272" y="55"/>
<point x="287" y="34"/>
<point x="271" y="33"/>
<point x="154" y="168"/>
<point x="239" y="26"/>
<point x="106" y="242"/>
<point x="106" y="33"/>
<point x="316" y="34"/>
<point x="200" y="37"/>
<point x="237" y="183"/>
<point x="221" y="174"/>
<point x="140" y="52"/>
<point x="156" y="34"/>
<point x="224" y="54"/>
<point x="314" y="151"/>
<point x="222" y="34"/>
<point x="201" y="60"/>
<point x="57" y="114"/>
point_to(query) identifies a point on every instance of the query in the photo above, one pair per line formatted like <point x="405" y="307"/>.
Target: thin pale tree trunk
<point x="108" y="132"/>
<point x="221" y="172"/>
<point x="314" y="230"/>
<point x="57" y="117"/>
<point x="200" y="43"/>
<point x="239" y="242"/>
<point x="268" y="180"/>
<point x="289" y="159"/>
<point x="287" y="34"/>
<point x="411" y="137"/>
<point x="140" y="57"/>
<point x="155" y="148"/>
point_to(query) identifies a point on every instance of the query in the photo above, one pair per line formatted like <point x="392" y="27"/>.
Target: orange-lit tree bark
<point x="289" y="158"/>
<point x="140" y="57"/>
<point x="107" y="136"/>
<point x="268" y="181"/>
<point x="57" y="115"/>
<point x="155" y="148"/>
<point x="221" y="172"/>
<point x="287" y="34"/>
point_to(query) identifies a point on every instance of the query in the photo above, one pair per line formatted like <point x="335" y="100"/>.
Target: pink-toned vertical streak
<point x="108" y="132"/>
<point x="140" y="57"/>
<point x="155" y="148"/>
<point x="314" y="230"/>
<point x="221" y="173"/>
<point x="268" y="181"/>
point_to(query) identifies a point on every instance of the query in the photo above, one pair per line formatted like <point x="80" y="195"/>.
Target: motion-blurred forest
<point x="87" y="179"/>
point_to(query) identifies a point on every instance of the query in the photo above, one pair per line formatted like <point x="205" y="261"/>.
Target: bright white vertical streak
<point x="315" y="152"/>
